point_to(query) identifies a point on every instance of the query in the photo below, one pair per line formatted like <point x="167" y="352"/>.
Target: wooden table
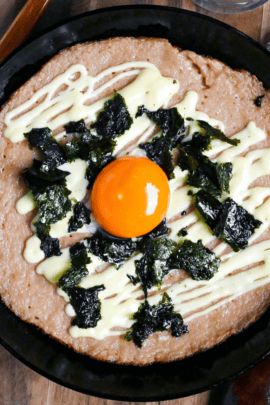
<point x="22" y="386"/>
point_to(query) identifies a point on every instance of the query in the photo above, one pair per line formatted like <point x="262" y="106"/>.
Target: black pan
<point x="60" y="364"/>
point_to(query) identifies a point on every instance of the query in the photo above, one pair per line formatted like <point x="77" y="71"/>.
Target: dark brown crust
<point x="30" y="295"/>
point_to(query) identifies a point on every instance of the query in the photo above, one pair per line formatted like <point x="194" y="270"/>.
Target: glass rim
<point x="225" y="7"/>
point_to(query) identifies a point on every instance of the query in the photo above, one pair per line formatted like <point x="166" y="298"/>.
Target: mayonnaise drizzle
<point x="149" y="88"/>
<point x="120" y="298"/>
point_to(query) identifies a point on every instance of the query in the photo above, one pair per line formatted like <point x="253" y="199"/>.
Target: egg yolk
<point x="130" y="197"/>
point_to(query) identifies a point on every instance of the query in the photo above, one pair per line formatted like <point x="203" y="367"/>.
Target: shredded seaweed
<point x="52" y="153"/>
<point x="228" y="220"/>
<point x="173" y="130"/>
<point x="155" y="318"/>
<point x="78" y="270"/>
<point x="53" y="203"/>
<point x="114" y="119"/>
<point x="48" y="185"/>
<point x="198" y="261"/>
<point x="203" y="173"/>
<point x="258" y="101"/>
<point x="80" y="217"/>
<point x="186" y="161"/>
<point x="49" y="245"/>
<point x="216" y="133"/>
<point x="159" y="231"/>
<point x="72" y="149"/>
<point x="76" y="127"/>
<point x="111" y="251"/>
<point x="95" y="148"/>
<point x="98" y="158"/>
<point x="171" y="123"/>
<point x="198" y="143"/>
<point x="152" y="268"/>
<point x="44" y="172"/>
<point x="81" y="145"/>
<point x="87" y="306"/>
<point x="159" y="152"/>
<point x="162" y="255"/>
<point x="182" y="232"/>
<point x="96" y="151"/>
<point x="37" y="180"/>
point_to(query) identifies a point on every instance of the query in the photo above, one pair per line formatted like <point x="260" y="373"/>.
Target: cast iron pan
<point x="60" y="364"/>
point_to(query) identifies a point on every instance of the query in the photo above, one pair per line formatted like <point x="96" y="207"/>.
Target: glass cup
<point x="229" y="6"/>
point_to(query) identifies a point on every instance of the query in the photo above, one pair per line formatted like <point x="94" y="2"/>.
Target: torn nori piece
<point x="171" y="123"/>
<point x="98" y="158"/>
<point x="76" y="127"/>
<point x="203" y="173"/>
<point x="152" y="268"/>
<point x="258" y="100"/>
<point x="198" y="261"/>
<point x="37" y="180"/>
<point x="94" y="148"/>
<point x="81" y="146"/>
<point x="198" y="143"/>
<point x="158" y="151"/>
<point x="235" y="225"/>
<point x="97" y="153"/>
<point x="208" y="206"/>
<point x="78" y="270"/>
<point x="53" y="204"/>
<point x="72" y="149"/>
<point x="114" y="119"/>
<point x="173" y="129"/>
<point x="228" y="220"/>
<point x="155" y="318"/>
<point x="216" y="133"/>
<point x="52" y="153"/>
<point x="182" y="232"/>
<point x="87" y="305"/>
<point x="159" y="231"/>
<point x="186" y="161"/>
<point x="144" y="274"/>
<point x="80" y="217"/>
<point x="49" y="245"/>
<point x="111" y="251"/>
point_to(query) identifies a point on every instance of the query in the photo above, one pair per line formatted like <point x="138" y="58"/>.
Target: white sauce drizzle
<point x="26" y="203"/>
<point x="77" y="184"/>
<point x="51" y="111"/>
<point x="54" y="267"/>
<point x="32" y="252"/>
<point x="76" y="181"/>
<point x="150" y="88"/>
<point x="120" y="297"/>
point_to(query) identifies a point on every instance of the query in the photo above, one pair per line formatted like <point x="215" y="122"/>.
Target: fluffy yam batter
<point x="225" y="94"/>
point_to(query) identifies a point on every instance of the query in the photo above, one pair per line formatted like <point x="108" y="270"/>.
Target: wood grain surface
<point x="22" y="26"/>
<point x="21" y="386"/>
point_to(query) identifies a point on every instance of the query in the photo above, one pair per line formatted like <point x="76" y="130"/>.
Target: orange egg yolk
<point x="130" y="197"/>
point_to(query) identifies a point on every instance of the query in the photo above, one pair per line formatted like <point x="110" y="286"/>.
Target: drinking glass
<point x="229" y="6"/>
